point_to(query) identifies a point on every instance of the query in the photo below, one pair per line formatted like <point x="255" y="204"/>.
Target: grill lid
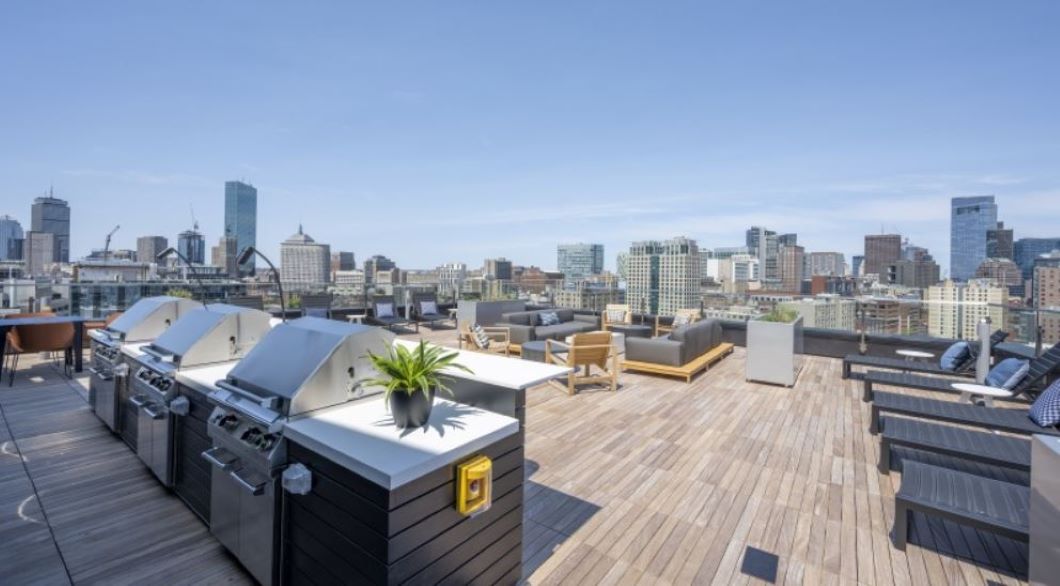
<point x="311" y="363"/>
<point x="148" y="318"/>
<point x="216" y="333"/>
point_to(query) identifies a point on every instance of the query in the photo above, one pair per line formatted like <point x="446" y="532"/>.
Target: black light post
<point x="170" y="251"/>
<point x="250" y="251"/>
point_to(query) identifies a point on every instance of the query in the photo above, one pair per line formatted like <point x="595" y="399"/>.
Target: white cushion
<point x="482" y="339"/>
<point x="384" y="310"/>
<point x="428" y="307"/>
<point x="681" y="319"/>
<point x="616" y="315"/>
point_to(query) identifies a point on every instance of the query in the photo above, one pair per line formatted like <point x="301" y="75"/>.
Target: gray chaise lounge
<point x="380" y="318"/>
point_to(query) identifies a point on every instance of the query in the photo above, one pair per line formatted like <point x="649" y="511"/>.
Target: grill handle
<point x="267" y="402"/>
<point x="150" y="411"/>
<point x="138" y="400"/>
<point x="211" y="456"/>
<point x="253" y="489"/>
<point x="103" y="374"/>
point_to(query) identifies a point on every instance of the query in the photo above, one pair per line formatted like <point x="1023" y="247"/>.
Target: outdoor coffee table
<point x="970" y="392"/>
<point x="912" y="355"/>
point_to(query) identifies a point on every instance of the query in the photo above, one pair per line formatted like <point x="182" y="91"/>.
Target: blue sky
<point x="441" y="131"/>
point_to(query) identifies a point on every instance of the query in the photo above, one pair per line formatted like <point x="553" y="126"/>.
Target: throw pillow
<point x="681" y="319"/>
<point x="549" y="318"/>
<point x="616" y="316"/>
<point x="384" y="310"/>
<point x="1046" y="408"/>
<point x="316" y="312"/>
<point x="482" y="339"/>
<point x="1008" y="373"/>
<point x="954" y="356"/>
<point x="428" y="308"/>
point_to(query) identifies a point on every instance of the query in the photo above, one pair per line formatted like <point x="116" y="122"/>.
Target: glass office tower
<point x="52" y="215"/>
<point x="241" y="218"/>
<point x="970" y="219"/>
<point x="579" y="261"/>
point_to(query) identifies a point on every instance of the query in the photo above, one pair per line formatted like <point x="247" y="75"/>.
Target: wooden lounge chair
<point x="682" y="317"/>
<point x="963" y="498"/>
<point x="1041" y="368"/>
<point x="612" y="309"/>
<point x="979" y="447"/>
<point x="588" y="350"/>
<point x="965" y="369"/>
<point x="1007" y="420"/>
<point x="498" y="340"/>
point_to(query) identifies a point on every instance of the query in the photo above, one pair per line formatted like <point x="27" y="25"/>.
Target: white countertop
<point x="361" y="437"/>
<point x="511" y="373"/>
<point x="132" y="349"/>
<point x="202" y="379"/>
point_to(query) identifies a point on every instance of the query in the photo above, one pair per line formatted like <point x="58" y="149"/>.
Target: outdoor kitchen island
<point x="382" y="505"/>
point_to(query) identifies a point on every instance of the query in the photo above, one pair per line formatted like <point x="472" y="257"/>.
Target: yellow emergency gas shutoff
<point x="474" y="485"/>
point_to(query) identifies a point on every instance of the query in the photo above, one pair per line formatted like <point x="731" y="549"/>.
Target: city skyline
<point x="636" y="135"/>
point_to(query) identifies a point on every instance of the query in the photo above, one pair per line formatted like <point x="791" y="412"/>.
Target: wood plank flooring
<point x="661" y="482"/>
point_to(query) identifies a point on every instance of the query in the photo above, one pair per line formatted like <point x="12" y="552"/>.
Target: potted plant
<point x="774" y="347"/>
<point x="411" y="379"/>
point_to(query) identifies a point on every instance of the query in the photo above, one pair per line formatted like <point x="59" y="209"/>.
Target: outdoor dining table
<point x="79" y="333"/>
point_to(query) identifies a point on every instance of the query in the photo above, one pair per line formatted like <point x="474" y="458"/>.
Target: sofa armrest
<point x="589" y="319"/>
<point x="519" y="334"/>
<point x="654" y="350"/>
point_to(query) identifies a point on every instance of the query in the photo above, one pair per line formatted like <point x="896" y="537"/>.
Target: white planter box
<point x="774" y="352"/>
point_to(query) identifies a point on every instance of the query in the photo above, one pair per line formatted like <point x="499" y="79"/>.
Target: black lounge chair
<point x="966" y="444"/>
<point x="999" y="419"/>
<point x="318" y="305"/>
<point x="380" y="318"/>
<point x="429" y="319"/>
<point x="966" y="499"/>
<point x="1035" y="380"/>
<point x="252" y="301"/>
<point x="965" y="368"/>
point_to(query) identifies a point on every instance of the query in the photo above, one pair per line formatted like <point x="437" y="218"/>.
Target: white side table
<point x="356" y="318"/>
<point x="970" y="391"/>
<point x="914" y="354"/>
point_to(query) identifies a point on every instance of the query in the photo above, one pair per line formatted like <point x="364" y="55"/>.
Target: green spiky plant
<point x="781" y="315"/>
<point x="413" y="370"/>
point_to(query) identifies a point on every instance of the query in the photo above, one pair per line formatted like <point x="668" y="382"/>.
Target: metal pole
<point x="982" y="365"/>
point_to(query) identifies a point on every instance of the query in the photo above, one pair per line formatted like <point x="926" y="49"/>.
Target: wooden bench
<point x="685" y="371"/>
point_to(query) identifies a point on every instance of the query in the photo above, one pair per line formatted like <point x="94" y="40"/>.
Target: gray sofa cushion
<point x="560" y="331"/>
<point x="522" y="318"/>
<point x="696" y="339"/>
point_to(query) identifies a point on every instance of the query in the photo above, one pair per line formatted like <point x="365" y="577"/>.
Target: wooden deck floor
<point x="659" y="482"/>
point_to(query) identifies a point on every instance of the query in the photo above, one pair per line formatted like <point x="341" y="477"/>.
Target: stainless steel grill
<point x="300" y="367"/>
<point x="214" y="334"/>
<point x="144" y="321"/>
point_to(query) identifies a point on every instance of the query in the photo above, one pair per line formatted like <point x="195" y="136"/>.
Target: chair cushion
<point x="316" y="312"/>
<point x="481" y="338"/>
<point x="1008" y="373"/>
<point x="616" y="316"/>
<point x="384" y="310"/>
<point x="954" y="356"/>
<point x="1046" y="408"/>
<point x="561" y="331"/>
<point x="549" y="318"/>
<point x="428" y="307"/>
<point x="519" y="318"/>
<point x="681" y="319"/>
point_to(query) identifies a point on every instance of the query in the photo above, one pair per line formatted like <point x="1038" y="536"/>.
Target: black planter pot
<point x="411" y="410"/>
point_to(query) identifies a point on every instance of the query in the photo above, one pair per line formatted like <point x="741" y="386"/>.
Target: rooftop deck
<point x="659" y="482"/>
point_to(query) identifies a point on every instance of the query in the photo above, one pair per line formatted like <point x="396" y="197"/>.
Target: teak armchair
<point x="682" y="317"/>
<point x="584" y="352"/>
<point x="498" y="340"/>
<point x="605" y="319"/>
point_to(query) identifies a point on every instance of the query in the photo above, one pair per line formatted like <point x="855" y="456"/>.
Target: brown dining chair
<point x="40" y="338"/>
<point x="100" y="324"/>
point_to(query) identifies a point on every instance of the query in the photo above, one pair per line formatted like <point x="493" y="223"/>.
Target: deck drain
<point x="760" y="564"/>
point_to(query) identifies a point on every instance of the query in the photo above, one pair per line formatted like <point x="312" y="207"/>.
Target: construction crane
<point x="106" y="245"/>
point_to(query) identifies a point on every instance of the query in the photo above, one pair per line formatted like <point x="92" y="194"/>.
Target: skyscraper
<point x="497" y="268"/>
<point x="241" y="217"/>
<point x="764" y="246"/>
<point x="999" y="242"/>
<point x="1029" y="249"/>
<point x="148" y="247"/>
<point x="663" y="276"/>
<point x="304" y="261"/>
<point x="375" y="264"/>
<point x="11" y="237"/>
<point x="343" y="261"/>
<point x="857" y="262"/>
<point x="38" y="252"/>
<point x="52" y="215"/>
<point x="970" y="219"/>
<point x="579" y="261"/>
<point x="829" y="264"/>
<point x="790" y="262"/>
<point x="881" y="251"/>
<point x="192" y="245"/>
